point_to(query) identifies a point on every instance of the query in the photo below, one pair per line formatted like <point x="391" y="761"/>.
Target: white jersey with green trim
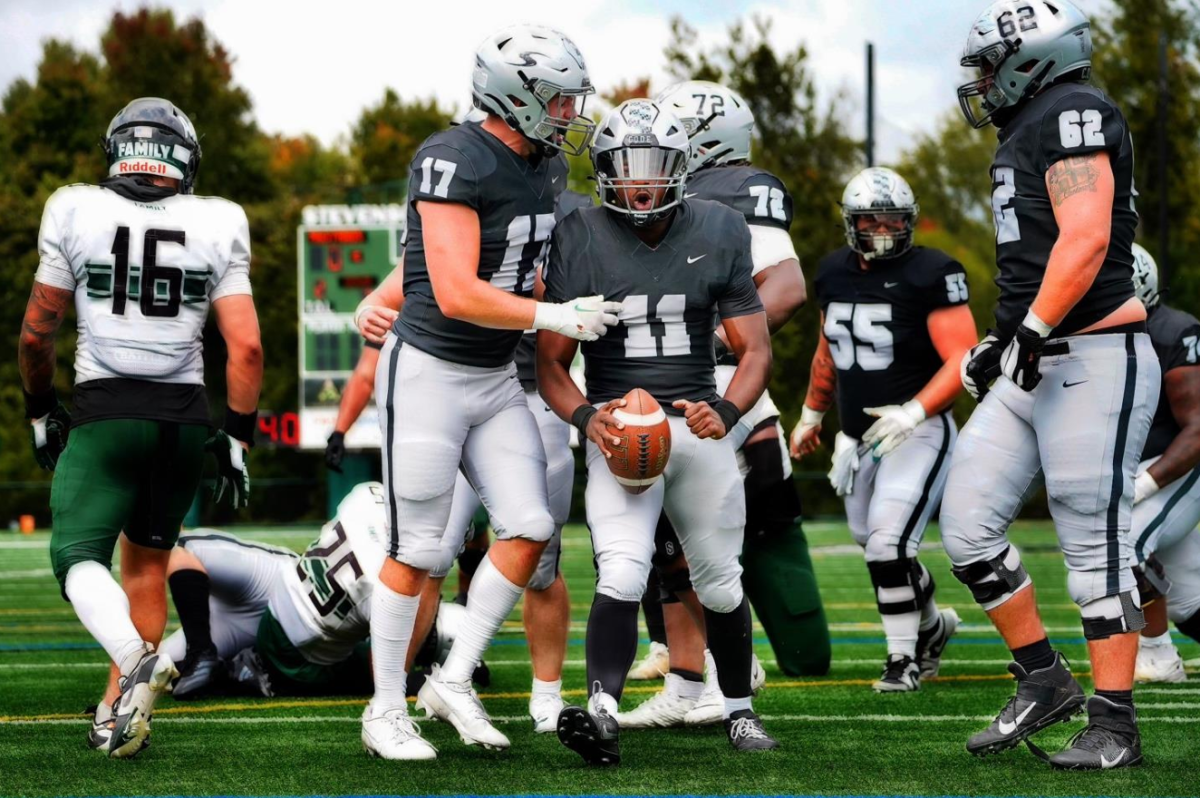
<point x="144" y="276"/>
<point x="324" y="602"/>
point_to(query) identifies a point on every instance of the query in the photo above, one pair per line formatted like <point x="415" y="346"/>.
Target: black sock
<point x="1035" y="656"/>
<point x="731" y="644"/>
<point x="470" y="560"/>
<point x="1123" y="698"/>
<point x="189" y="591"/>
<point x="1191" y="627"/>
<point x="611" y="644"/>
<point x="688" y="676"/>
<point x="652" y="608"/>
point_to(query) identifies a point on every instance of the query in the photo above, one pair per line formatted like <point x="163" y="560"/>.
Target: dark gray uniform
<point x="447" y="389"/>
<point x="1085" y="424"/>
<point x="673" y="296"/>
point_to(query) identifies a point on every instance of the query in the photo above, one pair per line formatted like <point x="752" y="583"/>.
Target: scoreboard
<point x="344" y="252"/>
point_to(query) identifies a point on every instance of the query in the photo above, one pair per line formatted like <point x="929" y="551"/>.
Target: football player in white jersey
<point x="144" y="259"/>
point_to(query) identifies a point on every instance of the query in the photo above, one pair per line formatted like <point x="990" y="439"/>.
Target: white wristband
<point x="1037" y="325"/>
<point x="810" y="417"/>
<point x="359" y="313"/>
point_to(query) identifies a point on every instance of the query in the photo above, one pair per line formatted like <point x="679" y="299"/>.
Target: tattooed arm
<point x="1081" y="191"/>
<point x="35" y="353"/>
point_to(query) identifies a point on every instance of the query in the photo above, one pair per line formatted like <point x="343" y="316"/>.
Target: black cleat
<point x="595" y="737"/>
<point x="1110" y="740"/>
<point x="901" y="674"/>
<point x="247" y="671"/>
<point x="1044" y="697"/>
<point x="931" y="643"/>
<point x="746" y="732"/>
<point x="199" y="675"/>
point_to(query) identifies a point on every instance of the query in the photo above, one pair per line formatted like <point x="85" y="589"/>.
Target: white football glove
<point x="584" y="319"/>
<point x="895" y="424"/>
<point x="1144" y="487"/>
<point x="809" y="420"/>
<point x="845" y="463"/>
<point x="980" y="365"/>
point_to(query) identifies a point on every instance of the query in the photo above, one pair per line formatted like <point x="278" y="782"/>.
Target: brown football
<point x="639" y="460"/>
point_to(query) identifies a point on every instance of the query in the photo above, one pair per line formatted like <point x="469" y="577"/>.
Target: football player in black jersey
<point x="894" y="326"/>
<point x="1166" y="498"/>
<point x="1077" y="380"/>
<point x="778" y="576"/>
<point x="677" y="266"/>
<point x="480" y="214"/>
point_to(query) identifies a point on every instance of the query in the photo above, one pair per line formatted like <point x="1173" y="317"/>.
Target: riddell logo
<point x="143" y="167"/>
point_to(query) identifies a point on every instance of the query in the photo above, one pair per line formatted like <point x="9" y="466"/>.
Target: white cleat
<point x="1160" y="663"/>
<point x="655" y="665"/>
<point x="393" y="735"/>
<point x="149" y="679"/>
<point x="710" y="706"/>
<point x="544" y="710"/>
<point x="665" y="709"/>
<point x="458" y="704"/>
<point x="931" y="646"/>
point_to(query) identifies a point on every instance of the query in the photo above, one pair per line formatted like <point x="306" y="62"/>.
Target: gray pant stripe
<point x="1159" y="519"/>
<point x="393" y="532"/>
<point x="919" y="507"/>
<point x="1115" y="563"/>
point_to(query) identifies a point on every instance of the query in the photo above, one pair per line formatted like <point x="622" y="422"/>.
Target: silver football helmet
<point x="520" y="71"/>
<point x="718" y="121"/>
<point x="1019" y="46"/>
<point x="640" y="155"/>
<point x="1145" y="277"/>
<point x="879" y="192"/>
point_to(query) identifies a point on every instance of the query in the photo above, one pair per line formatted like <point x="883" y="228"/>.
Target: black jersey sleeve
<point x="740" y="297"/>
<point x="563" y="275"/>
<point x="764" y="199"/>
<point x="947" y="283"/>
<point x="441" y="173"/>
<point x="1078" y="124"/>
<point x="1183" y="347"/>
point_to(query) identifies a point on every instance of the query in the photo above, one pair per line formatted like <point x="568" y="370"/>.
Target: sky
<point x="311" y="67"/>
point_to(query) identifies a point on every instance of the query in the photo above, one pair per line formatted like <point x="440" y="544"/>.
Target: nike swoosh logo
<point x="578" y="309"/>
<point x="1009" y="728"/>
<point x="890" y="285"/>
<point x="554" y="180"/>
<point x="1072" y="384"/>
<point x="1106" y="763"/>
<point x="689" y="196"/>
<point x="698" y="257"/>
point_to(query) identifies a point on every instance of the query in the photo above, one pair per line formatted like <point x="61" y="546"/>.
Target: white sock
<point x="901" y="633"/>
<point x="491" y="599"/>
<point x="103" y="608"/>
<point x="736" y="705"/>
<point x="392" y="618"/>
<point x="710" y="671"/>
<point x="1162" y="641"/>
<point x="602" y="700"/>
<point x="676" y="685"/>
<point x="547" y="688"/>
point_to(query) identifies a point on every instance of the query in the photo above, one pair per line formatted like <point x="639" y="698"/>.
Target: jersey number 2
<point x="153" y="276"/>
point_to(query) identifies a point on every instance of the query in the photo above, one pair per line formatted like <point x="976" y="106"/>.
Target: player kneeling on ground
<point x="894" y="327"/>
<point x="1166" y="497"/>
<point x="676" y="265"/>
<point x="144" y="261"/>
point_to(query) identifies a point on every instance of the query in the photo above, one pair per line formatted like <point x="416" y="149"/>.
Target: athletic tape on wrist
<point x="241" y="425"/>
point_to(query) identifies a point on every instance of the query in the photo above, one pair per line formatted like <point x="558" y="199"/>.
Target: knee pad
<point x="1191" y="626"/>
<point x="672" y="582"/>
<point x="901" y="586"/>
<point x="621" y="579"/>
<point x="719" y="588"/>
<point x="993" y="582"/>
<point x="533" y="524"/>
<point x="547" y="567"/>
<point x="1112" y="615"/>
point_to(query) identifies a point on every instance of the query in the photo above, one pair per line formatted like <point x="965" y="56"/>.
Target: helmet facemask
<point x="559" y="132"/>
<point x="992" y="98"/>
<point x="888" y="233"/>
<point x="642" y="181"/>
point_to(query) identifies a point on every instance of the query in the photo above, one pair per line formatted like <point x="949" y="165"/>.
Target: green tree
<point x="386" y="136"/>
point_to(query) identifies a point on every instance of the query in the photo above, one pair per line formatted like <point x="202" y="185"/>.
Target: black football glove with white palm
<point x="981" y="365"/>
<point x="1024" y="353"/>
<point x="49" y="436"/>
<point x="233" y="478"/>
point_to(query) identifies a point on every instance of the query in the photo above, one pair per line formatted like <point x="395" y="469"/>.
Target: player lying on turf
<point x="144" y="260"/>
<point x="279" y="623"/>
<point x="1166" y="497"/>
<point x="777" y="572"/>
<point x="894" y="327"/>
<point x="1076" y="377"/>
<point x="480" y="214"/>
<point x="676" y="266"/>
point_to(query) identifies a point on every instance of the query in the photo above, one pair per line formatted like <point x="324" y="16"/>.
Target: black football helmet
<point x="151" y="136"/>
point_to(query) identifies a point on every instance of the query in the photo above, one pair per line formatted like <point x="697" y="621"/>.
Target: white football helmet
<point x="641" y="156"/>
<point x="717" y="119"/>
<point x="1145" y="277"/>
<point x="1020" y="46"/>
<point x="879" y="191"/>
<point x="519" y="71"/>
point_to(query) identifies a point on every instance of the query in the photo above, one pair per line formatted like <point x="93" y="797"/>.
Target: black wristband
<point x="729" y="413"/>
<point x="40" y="405"/>
<point x="580" y="418"/>
<point x="241" y="425"/>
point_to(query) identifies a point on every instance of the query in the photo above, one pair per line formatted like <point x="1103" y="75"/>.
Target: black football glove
<point x="1024" y="352"/>
<point x="981" y="365"/>
<point x="49" y="436"/>
<point x="232" y="475"/>
<point x="335" y="451"/>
